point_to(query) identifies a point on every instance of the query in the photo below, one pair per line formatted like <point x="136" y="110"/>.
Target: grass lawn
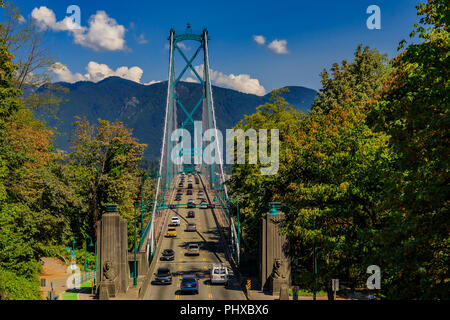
<point x="73" y="295"/>
<point x="70" y="296"/>
<point x="303" y="292"/>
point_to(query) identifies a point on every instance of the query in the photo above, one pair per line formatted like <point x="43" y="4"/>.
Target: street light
<point x="73" y="262"/>
<point x="143" y="178"/>
<point x="85" y="251"/>
<point x="73" y="245"/>
<point x="236" y="203"/>
<point x="134" y="273"/>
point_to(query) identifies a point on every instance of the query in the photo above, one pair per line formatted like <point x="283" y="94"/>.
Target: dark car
<point x="189" y="284"/>
<point x="190" y="186"/>
<point x="178" y="199"/>
<point x="163" y="276"/>
<point x="189" y="192"/>
<point x="168" y="255"/>
<point x="191" y="205"/>
<point x="191" y="214"/>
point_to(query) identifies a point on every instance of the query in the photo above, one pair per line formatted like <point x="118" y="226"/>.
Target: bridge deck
<point x="212" y="252"/>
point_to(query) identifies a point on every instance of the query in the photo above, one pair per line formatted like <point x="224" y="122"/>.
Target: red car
<point x="191" y="214"/>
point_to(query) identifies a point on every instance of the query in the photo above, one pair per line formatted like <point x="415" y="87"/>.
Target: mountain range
<point x="142" y="107"/>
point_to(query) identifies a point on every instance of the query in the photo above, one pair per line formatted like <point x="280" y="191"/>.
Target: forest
<point x="364" y="175"/>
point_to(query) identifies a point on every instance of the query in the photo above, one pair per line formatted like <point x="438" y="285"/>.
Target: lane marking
<point x="210" y="295"/>
<point x="177" y="297"/>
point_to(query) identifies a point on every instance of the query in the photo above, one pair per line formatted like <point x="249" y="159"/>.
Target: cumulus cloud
<point x="152" y="82"/>
<point x="241" y="82"/>
<point x="96" y="72"/>
<point x="278" y="46"/>
<point x="260" y="39"/>
<point x="45" y="19"/>
<point x="103" y="32"/>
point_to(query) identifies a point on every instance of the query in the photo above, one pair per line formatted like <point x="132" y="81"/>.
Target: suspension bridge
<point x="189" y="226"/>
<point x="216" y="232"/>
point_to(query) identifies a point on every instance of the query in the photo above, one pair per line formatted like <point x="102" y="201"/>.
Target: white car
<point x="175" y="221"/>
<point x="219" y="274"/>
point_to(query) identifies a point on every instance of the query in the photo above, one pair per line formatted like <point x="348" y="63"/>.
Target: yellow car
<point x="171" y="232"/>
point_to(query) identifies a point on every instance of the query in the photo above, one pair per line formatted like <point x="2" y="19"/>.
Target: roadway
<point x="211" y="252"/>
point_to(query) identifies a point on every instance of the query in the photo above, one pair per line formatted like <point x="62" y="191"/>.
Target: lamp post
<point x="235" y="201"/>
<point x="73" y="245"/>
<point x="134" y="273"/>
<point x="85" y="251"/>
<point x="143" y="178"/>
<point x="314" y="264"/>
<point x="95" y="256"/>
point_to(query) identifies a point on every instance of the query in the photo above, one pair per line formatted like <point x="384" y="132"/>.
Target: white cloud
<point x="103" y="32"/>
<point x="46" y="19"/>
<point x="278" y="46"/>
<point x="141" y="39"/>
<point x="260" y="39"/>
<point x="181" y="45"/>
<point x="189" y="79"/>
<point x="21" y="19"/>
<point x="241" y="82"/>
<point x="64" y="74"/>
<point x="152" y="82"/>
<point x="96" y="72"/>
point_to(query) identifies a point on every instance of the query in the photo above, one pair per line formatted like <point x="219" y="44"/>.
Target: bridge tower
<point x="180" y="117"/>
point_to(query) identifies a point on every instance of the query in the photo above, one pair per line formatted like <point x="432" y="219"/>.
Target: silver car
<point x="193" y="249"/>
<point x="192" y="227"/>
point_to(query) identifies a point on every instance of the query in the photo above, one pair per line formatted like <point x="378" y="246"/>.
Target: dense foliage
<point x="48" y="196"/>
<point x="414" y="112"/>
<point x="364" y="176"/>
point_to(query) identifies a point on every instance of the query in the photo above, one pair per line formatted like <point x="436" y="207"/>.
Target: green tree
<point x="106" y="158"/>
<point x="360" y="81"/>
<point x="332" y="185"/>
<point x="414" y="111"/>
<point x="254" y="190"/>
<point x="22" y="230"/>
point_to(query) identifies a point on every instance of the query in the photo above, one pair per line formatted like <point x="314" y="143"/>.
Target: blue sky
<point x="316" y="34"/>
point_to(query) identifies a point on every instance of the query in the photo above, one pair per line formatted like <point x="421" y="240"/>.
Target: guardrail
<point x="86" y="276"/>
